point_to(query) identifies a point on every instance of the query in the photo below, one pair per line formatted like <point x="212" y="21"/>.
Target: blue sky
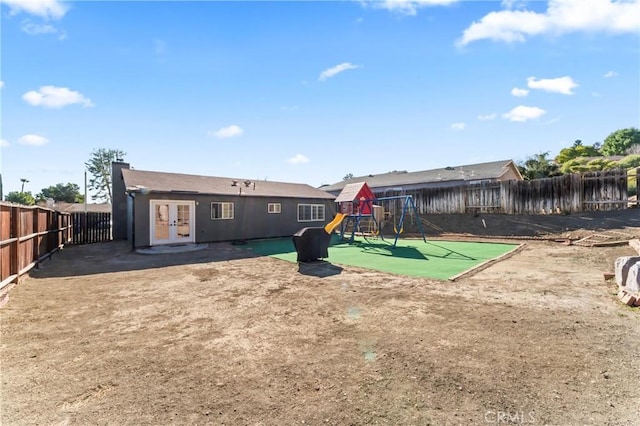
<point x="308" y="91"/>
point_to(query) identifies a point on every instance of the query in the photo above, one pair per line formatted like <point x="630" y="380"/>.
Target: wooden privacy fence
<point x="91" y="227"/>
<point x="575" y="193"/>
<point x="29" y="235"/>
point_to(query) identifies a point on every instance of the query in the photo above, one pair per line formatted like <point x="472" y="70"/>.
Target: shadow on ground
<point x="320" y="269"/>
<point x="116" y="256"/>
<point x="387" y="249"/>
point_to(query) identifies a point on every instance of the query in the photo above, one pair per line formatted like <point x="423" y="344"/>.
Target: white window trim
<point x="274" y="208"/>
<point x="192" y="219"/>
<point x="320" y="208"/>
<point x="223" y="203"/>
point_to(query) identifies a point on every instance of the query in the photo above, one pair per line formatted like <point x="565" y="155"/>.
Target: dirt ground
<point x="569" y="226"/>
<point x="101" y="335"/>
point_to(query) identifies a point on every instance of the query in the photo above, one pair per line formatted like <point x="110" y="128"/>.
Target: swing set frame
<point x="408" y="204"/>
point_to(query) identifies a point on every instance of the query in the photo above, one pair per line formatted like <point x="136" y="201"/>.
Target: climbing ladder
<point x="365" y="226"/>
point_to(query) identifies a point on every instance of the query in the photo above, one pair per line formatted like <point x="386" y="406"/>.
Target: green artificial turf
<point x="433" y="259"/>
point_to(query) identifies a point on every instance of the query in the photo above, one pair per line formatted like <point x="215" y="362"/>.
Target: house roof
<point x="149" y="181"/>
<point x="469" y="172"/>
<point x="351" y="191"/>
<point x="79" y="207"/>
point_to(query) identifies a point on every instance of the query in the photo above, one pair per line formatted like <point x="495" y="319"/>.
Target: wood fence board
<point x="90" y="227"/>
<point x="575" y="193"/>
<point x="5" y="261"/>
<point x="27" y="235"/>
<point x="5" y="222"/>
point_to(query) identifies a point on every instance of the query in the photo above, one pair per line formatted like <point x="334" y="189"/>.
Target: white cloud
<point x="56" y="97"/>
<point x="34" y="29"/>
<point x="507" y="26"/>
<point x="33" y="140"/>
<point x="1" y="84"/>
<point x="610" y="74"/>
<point x="487" y="117"/>
<point x="519" y="92"/>
<point x="227" y="132"/>
<point x="4" y="143"/>
<point x="563" y="85"/>
<point x="561" y="16"/>
<point x="298" y="159"/>
<point x="406" y="7"/>
<point x="48" y="9"/>
<point x="331" y="72"/>
<point x="524" y="113"/>
<point x="513" y="4"/>
<point x="458" y="126"/>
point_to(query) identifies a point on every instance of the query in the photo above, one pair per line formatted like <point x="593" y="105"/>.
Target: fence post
<point x="87" y="230"/>
<point x="508" y="196"/>
<point x="14" y="267"/>
<point x="36" y="238"/>
<point x="63" y="233"/>
<point x="581" y="194"/>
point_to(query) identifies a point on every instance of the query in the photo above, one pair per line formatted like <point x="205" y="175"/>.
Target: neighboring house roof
<point x="470" y="172"/>
<point x="351" y="191"/>
<point x="79" y="207"/>
<point x="148" y="181"/>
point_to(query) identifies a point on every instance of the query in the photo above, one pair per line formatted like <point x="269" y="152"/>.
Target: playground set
<point x="363" y="214"/>
<point x="360" y="211"/>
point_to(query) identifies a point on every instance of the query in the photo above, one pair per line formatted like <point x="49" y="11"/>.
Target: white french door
<point x="172" y="222"/>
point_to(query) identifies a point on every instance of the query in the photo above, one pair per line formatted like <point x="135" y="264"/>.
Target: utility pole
<point x="85" y="193"/>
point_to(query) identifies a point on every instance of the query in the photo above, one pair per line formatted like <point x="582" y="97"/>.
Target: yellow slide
<point x="334" y="223"/>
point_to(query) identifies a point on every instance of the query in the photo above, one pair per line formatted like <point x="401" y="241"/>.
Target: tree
<point x="602" y="163"/>
<point x="348" y="176"/>
<point x="538" y="166"/>
<point x="583" y="164"/>
<point x="621" y="141"/>
<point x="23" y="180"/>
<point x="69" y="193"/>
<point x="629" y="162"/>
<point x="99" y="165"/>
<point x="577" y="150"/>
<point x="576" y="165"/>
<point x="21" y="198"/>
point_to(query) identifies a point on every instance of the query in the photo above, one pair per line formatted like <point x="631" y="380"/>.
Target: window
<point x="274" y="208"/>
<point x="310" y="212"/>
<point x="221" y="210"/>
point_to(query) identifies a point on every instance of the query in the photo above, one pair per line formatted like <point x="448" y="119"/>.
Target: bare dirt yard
<point x="102" y="335"/>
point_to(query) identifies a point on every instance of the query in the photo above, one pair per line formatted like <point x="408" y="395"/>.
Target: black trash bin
<point x="312" y="244"/>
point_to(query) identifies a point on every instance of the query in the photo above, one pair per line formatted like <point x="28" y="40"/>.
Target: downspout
<point x="133" y="220"/>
